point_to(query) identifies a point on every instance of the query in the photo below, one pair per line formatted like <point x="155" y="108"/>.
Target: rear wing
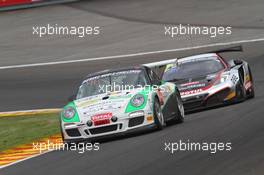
<point x="230" y="49"/>
<point x="160" y="63"/>
<point x="160" y="66"/>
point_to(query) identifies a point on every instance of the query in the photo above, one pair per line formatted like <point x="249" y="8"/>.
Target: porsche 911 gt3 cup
<point x="207" y="80"/>
<point x="118" y="101"/>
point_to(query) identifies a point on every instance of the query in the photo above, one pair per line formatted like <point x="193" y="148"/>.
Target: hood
<point x="103" y="103"/>
<point x="195" y="85"/>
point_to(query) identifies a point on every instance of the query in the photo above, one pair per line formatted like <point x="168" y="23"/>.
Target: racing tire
<point x="179" y="117"/>
<point x="158" y="115"/>
<point x="240" y="90"/>
<point x="251" y="93"/>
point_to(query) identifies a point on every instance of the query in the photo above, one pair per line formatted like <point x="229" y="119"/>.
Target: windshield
<point x="115" y="81"/>
<point x="192" y="68"/>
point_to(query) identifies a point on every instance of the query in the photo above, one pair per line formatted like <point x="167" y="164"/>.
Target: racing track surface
<point x="241" y="124"/>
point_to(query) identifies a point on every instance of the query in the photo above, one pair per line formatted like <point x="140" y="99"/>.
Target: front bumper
<point x="81" y="131"/>
<point x="214" y="96"/>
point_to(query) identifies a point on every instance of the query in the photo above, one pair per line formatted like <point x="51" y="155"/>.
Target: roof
<point x="165" y="62"/>
<point x="198" y="56"/>
<point x="115" y="70"/>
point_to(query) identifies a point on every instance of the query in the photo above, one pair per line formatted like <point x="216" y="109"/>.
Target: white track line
<point x="129" y="55"/>
<point x="31" y="111"/>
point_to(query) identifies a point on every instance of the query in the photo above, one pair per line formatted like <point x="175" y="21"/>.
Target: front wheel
<point x="240" y="90"/>
<point x="251" y="90"/>
<point x="158" y="115"/>
<point x="179" y="117"/>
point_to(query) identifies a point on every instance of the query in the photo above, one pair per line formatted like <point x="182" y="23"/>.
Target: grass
<point x="26" y="129"/>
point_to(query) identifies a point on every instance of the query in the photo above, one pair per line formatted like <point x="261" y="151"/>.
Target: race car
<point x="119" y="101"/>
<point x="208" y="80"/>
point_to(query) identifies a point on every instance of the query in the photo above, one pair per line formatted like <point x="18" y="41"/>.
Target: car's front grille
<point x="73" y="132"/>
<point x="194" y="101"/>
<point x="135" y="121"/>
<point x="103" y="129"/>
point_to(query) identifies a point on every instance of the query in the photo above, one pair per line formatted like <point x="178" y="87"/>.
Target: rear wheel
<point x="158" y="115"/>
<point x="240" y="90"/>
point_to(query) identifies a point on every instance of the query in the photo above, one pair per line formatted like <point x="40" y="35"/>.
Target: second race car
<point x="118" y="101"/>
<point x="207" y="80"/>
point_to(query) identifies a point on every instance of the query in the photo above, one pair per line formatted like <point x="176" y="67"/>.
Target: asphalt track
<point x="49" y="86"/>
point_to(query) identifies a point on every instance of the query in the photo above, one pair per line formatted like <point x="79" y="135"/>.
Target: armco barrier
<point x="6" y="5"/>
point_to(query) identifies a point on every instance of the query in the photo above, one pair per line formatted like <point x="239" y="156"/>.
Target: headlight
<point x="137" y="100"/>
<point x="68" y="113"/>
<point x="136" y="114"/>
<point x="223" y="78"/>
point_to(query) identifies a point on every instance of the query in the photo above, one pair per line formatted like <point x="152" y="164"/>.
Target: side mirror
<point x="238" y="62"/>
<point x="71" y="98"/>
<point x="158" y="83"/>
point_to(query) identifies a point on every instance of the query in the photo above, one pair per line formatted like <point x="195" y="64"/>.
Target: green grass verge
<point x="25" y="129"/>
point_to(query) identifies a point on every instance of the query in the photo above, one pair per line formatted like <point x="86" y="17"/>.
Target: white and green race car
<point x="118" y="101"/>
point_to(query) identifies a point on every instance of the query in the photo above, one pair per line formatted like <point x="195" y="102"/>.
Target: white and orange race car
<point x="207" y="80"/>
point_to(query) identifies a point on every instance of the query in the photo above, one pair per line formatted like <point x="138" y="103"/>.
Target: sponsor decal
<point x="191" y="86"/>
<point x="191" y="92"/>
<point x="120" y="97"/>
<point x="234" y="79"/>
<point x="101" y="119"/>
<point x="101" y="116"/>
<point x="103" y="105"/>
<point x="86" y="103"/>
<point x="190" y="83"/>
<point x="199" y="87"/>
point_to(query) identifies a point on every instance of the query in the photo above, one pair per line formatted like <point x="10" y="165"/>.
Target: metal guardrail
<point x="7" y="5"/>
